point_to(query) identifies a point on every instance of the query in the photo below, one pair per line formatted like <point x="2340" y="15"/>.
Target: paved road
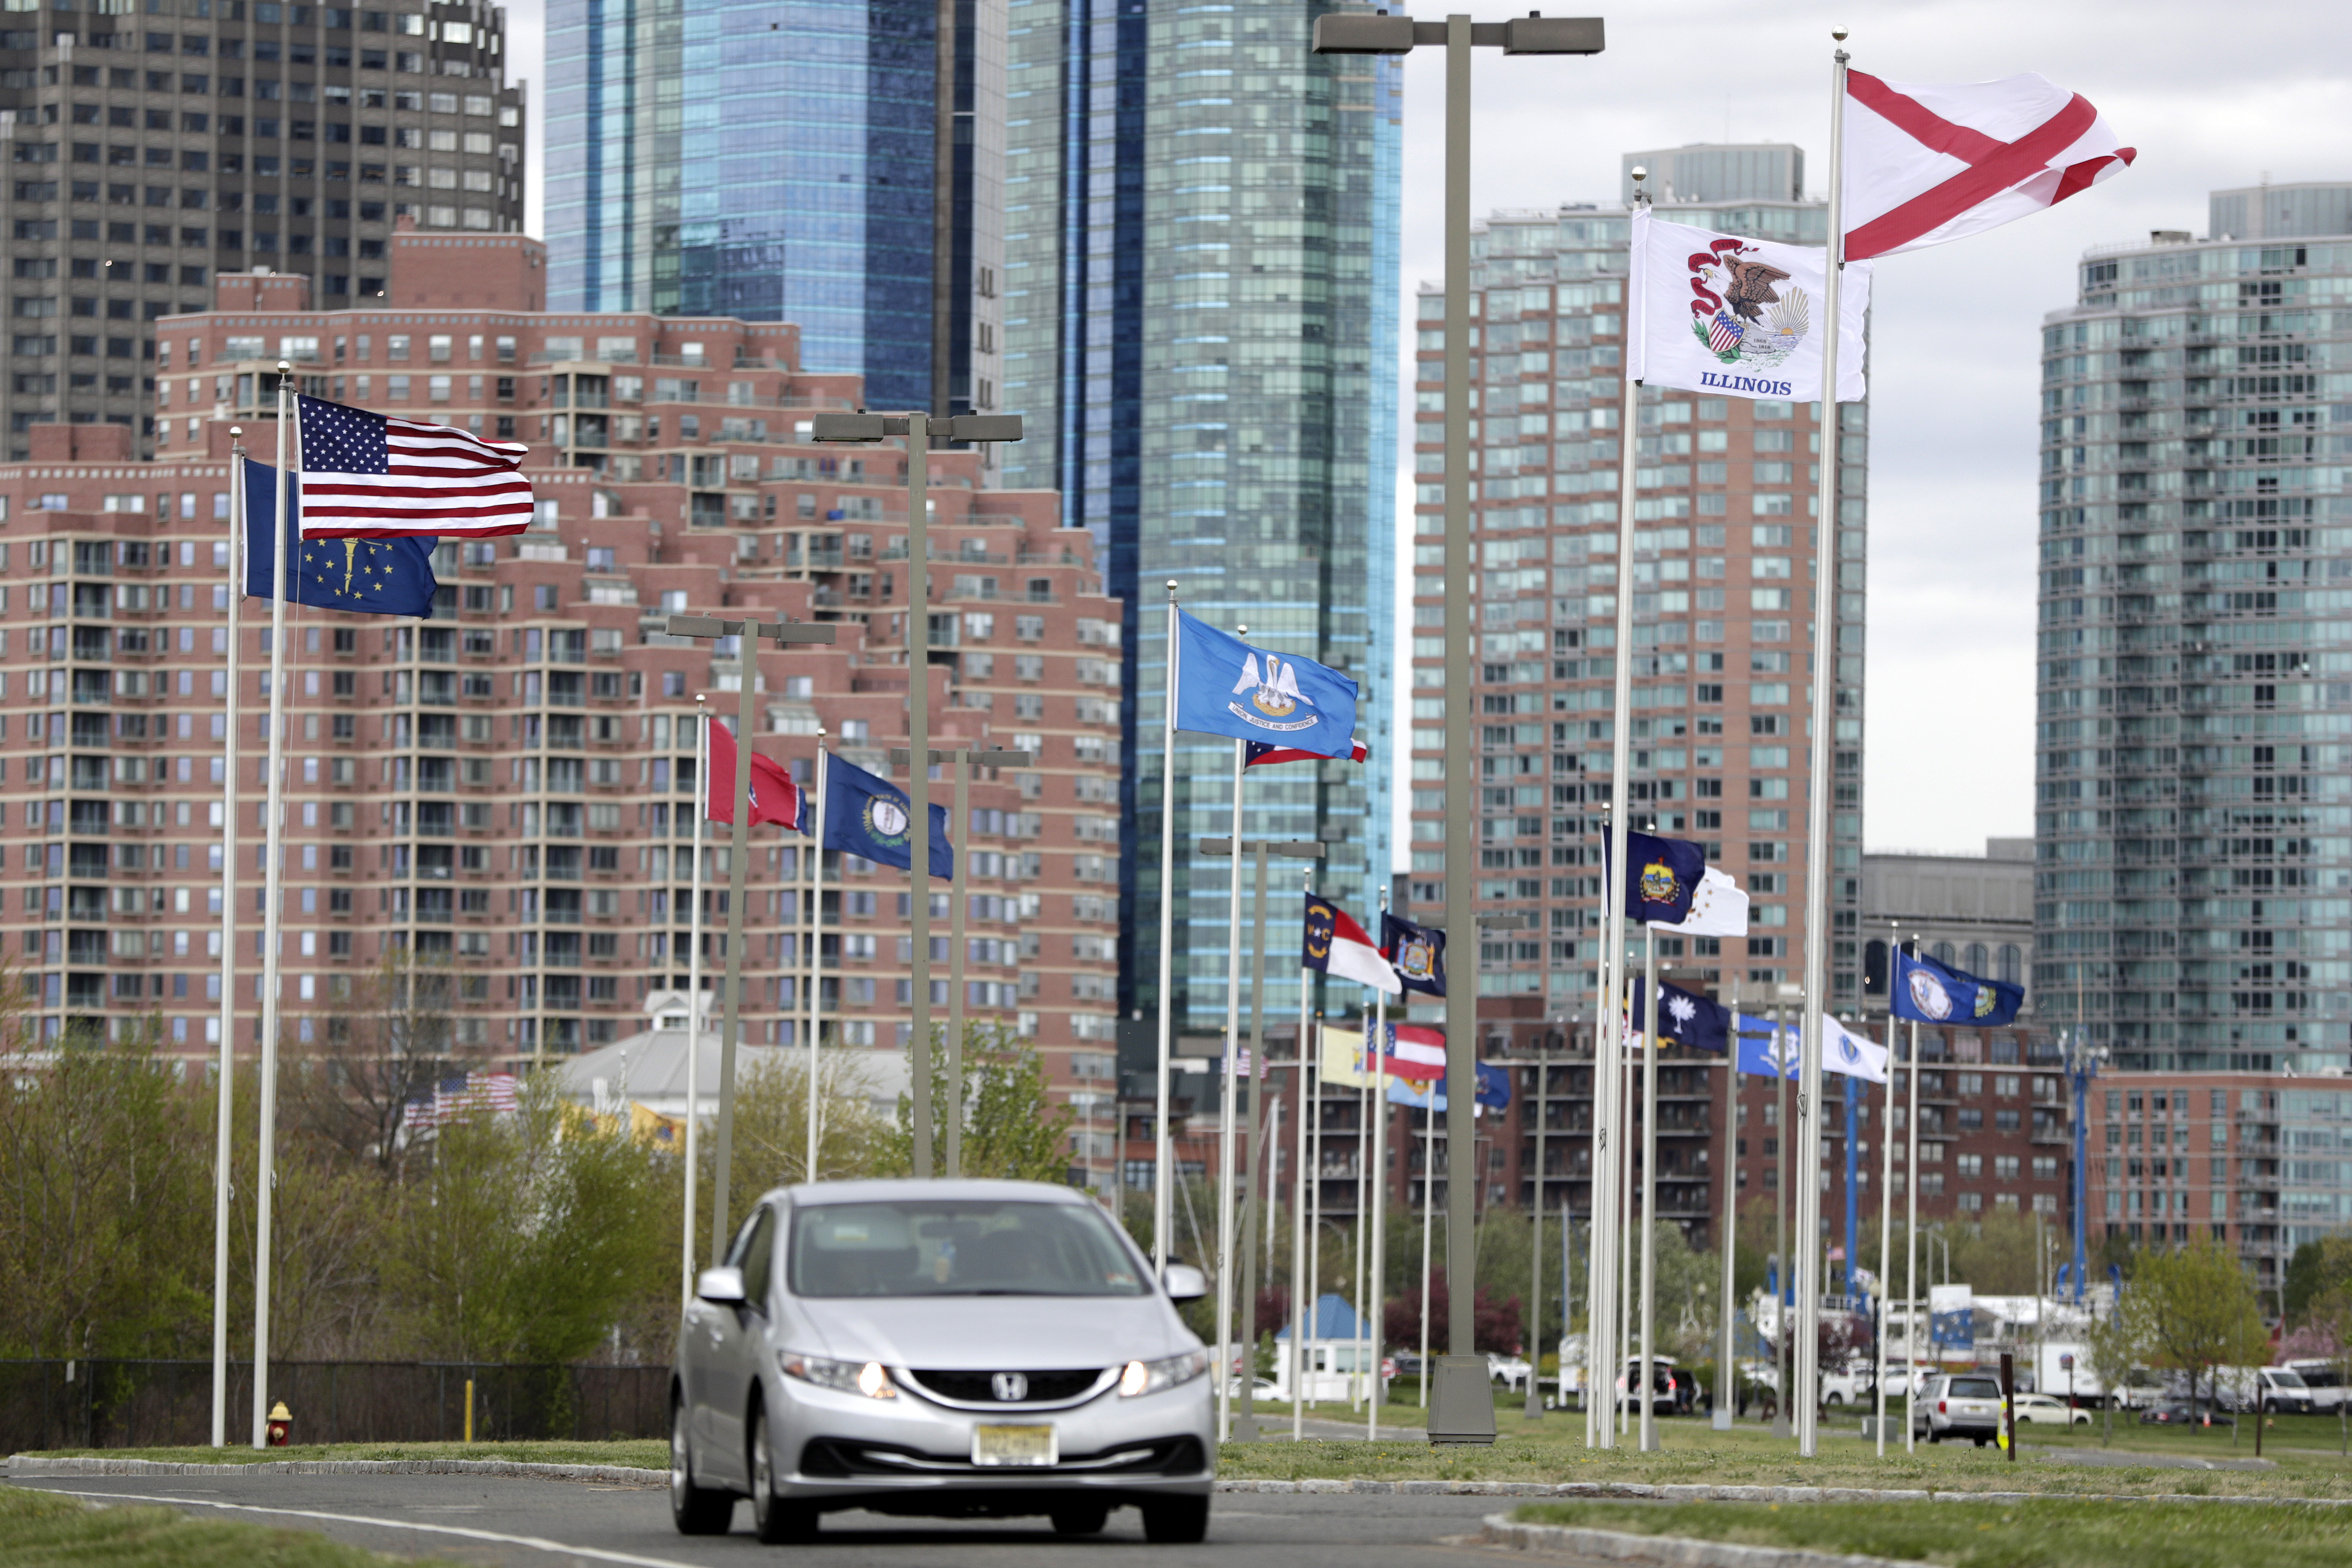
<point x="555" y="1524"/>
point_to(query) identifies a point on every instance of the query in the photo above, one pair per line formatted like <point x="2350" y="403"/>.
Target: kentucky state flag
<point x="370" y="576"/>
<point x="871" y="816"/>
<point x="1662" y="876"/>
<point x="1226" y="687"/>
<point x="1932" y="993"/>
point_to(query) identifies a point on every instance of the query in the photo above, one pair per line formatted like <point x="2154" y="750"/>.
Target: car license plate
<point x="1013" y="1446"/>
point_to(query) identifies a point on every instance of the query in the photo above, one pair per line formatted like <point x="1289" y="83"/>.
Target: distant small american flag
<point x="461" y="1094"/>
<point x="1723" y="333"/>
<point x="370" y="476"/>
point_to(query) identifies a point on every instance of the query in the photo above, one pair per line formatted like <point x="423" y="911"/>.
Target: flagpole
<point x="288" y="524"/>
<point x="694" y="990"/>
<point x="1627" y="1252"/>
<point x="232" y="759"/>
<point x="739" y="856"/>
<point x="1315" y="1182"/>
<point x="815" y="956"/>
<point x="1600" y="1193"/>
<point x="1307" y="1119"/>
<point x="1817" y="810"/>
<point x="1231" y="1085"/>
<point x="1910" y="1229"/>
<point x="1245" y="1424"/>
<point x="1650" y="1036"/>
<point x="1727" y="1376"/>
<point x="1621" y="761"/>
<point x="1886" y="1219"/>
<point x="960" y="823"/>
<point x="1163" y="1154"/>
<point x="1356" y="1338"/>
<point x="1379" y="1056"/>
<point x="1428" y="1225"/>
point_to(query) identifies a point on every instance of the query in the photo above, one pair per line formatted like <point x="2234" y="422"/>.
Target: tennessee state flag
<point x="774" y="796"/>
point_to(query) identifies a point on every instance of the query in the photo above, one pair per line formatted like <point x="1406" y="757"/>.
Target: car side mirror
<point x="1184" y="1282"/>
<point x="722" y="1286"/>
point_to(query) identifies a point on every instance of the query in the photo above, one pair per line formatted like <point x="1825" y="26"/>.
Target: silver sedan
<point x="960" y="1348"/>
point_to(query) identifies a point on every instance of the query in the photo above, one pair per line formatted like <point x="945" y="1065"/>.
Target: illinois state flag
<point x="1713" y="312"/>
<point x="1929" y="164"/>
<point x="774" y="796"/>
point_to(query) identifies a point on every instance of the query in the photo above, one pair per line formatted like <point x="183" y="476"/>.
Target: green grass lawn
<point x="2042" y="1533"/>
<point x="650" y="1454"/>
<point x="38" y="1529"/>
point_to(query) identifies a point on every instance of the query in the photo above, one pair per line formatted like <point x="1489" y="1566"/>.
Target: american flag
<point x="371" y="476"/>
<point x="460" y="1094"/>
<point x="1723" y="333"/>
<point x="1262" y="753"/>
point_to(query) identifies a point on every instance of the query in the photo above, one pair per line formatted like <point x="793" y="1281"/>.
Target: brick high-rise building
<point x="509" y="785"/>
<point x="148" y="151"/>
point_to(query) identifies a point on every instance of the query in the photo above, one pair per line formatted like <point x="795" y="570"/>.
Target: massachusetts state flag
<point x="1855" y="1054"/>
<point x="1337" y="945"/>
<point x="370" y="576"/>
<point x="774" y="796"/>
<point x="371" y="476"/>
<point x="1255" y="753"/>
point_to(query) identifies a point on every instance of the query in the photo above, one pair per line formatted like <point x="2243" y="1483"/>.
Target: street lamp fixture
<point x="919" y="429"/>
<point x="1462" y="1406"/>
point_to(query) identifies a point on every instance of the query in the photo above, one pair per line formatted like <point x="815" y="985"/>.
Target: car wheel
<point x="1081" y="1518"/>
<point x="1935" y="1436"/>
<point x="1176" y="1521"/>
<point x="774" y="1521"/>
<point x="696" y="1510"/>
<point x="1834" y="1399"/>
<point x="1981" y="1442"/>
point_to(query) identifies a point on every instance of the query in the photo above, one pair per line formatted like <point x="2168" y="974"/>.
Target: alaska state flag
<point x="1932" y="993"/>
<point x="871" y="816"/>
<point x="371" y="576"/>
<point x="1226" y="687"/>
<point x="1662" y="876"/>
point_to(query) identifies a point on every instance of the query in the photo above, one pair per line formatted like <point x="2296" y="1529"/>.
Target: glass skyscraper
<point x="1201" y="301"/>
<point x="833" y="164"/>
<point x="2193" y="902"/>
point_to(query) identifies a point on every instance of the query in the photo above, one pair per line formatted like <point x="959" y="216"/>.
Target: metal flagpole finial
<point x="1171" y="587"/>
<point x="1840" y="32"/>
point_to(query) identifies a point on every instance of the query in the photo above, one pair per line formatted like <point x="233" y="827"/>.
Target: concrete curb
<point x="625" y="1475"/>
<point x="1678" y="1552"/>
<point x="1635" y="1490"/>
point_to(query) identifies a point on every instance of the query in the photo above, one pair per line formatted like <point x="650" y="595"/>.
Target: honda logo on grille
<point x="1010" y="1387"/>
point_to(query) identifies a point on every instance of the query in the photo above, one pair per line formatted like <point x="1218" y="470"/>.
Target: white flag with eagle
<point x="1716" y="313"/>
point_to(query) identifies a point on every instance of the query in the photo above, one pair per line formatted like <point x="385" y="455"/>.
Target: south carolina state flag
<point x="1337" y="945"/>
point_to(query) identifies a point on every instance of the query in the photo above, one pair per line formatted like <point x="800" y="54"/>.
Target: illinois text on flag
<point x="1713" y="312"/>
<point x="371" y="476"/>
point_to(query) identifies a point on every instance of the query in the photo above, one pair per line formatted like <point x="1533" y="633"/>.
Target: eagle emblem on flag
<point x="1730" y="293"/>
<point x="1416" y="959"/>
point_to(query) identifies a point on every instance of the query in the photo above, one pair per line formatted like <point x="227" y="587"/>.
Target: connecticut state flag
<point x="370" y="576"/>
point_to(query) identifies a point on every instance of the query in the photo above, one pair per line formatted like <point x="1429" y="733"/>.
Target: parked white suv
<point x="1966" y="1405"/>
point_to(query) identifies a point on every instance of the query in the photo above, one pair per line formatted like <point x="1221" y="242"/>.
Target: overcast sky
<point x="2211" y="97"/>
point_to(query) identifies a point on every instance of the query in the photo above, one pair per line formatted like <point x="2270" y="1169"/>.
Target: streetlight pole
<point x="1463" y="1406"/>
<point x="2083" y="1060"/>
<point x="920" y="430"/>
<point x="747" y="634"/>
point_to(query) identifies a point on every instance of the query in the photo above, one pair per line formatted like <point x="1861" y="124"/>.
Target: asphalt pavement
<point x="527" y="1523"/>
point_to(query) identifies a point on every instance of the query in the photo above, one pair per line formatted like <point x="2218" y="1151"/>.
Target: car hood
<point x="994" y="1333"/>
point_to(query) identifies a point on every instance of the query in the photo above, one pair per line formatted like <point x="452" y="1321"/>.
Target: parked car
<point x="1964" y="1405"/>
<point x="2324" y="1381"/>
<point x="2180" y="1413"/>
<point x="965" y="1348"/>
<point x="1671" y="1389"/>
<point x="1512" y="1371"/>
<point x="2050" y="1412"/>
<point x="1263" y="1389"/>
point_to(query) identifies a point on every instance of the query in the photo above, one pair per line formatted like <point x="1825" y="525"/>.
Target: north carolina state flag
<point x="1925" y="164"/>
<point x="774" y="796"/>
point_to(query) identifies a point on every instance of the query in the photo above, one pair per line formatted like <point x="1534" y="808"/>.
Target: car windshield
<point x="950" y="1246"/>
<point x="2284" y="1379"/>
<point x="1975" y="1388"/>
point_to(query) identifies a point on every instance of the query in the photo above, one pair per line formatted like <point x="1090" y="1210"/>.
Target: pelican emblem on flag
<point x="1928" y="994"/>
<point x="1273" y="696"/>
<point x="1659" y="883"/>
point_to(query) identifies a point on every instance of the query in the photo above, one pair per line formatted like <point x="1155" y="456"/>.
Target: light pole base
<point x="1462" y="1402"/>
<point x="1722" y="1417"/>
<point x="1245" y="1426"/>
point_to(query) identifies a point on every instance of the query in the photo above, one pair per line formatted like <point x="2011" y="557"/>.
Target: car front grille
<point x="1059" y="1385"/>
<point x="848" y="1458"/>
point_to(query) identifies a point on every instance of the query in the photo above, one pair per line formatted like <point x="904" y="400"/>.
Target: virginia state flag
<point x="371" y="576"/>
<point x="1226" y="687"/>
<point x="871" y="816"/>
<point x="1932" y="993"/>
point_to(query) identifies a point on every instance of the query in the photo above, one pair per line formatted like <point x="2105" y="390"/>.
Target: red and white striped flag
<point x="1929" y="164"/>
<point x="371" y="476"/>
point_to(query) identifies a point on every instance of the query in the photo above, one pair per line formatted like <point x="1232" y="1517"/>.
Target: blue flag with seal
<point x="1757" y="1054"/>
<point x="870" y="816"/>
<point x="1226" y="687"/>
<point x="1417" y="952"/>
<point x="1932" y="993"/>
<point x="1662" y="876"/>
<point x="370" y="576"/>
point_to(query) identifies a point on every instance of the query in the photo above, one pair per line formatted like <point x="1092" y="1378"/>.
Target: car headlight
<point x="868" y="1378"/>
<point x="1141" y="1377"/>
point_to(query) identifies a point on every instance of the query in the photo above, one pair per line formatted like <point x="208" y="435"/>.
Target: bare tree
<point x="385" y="1041"/>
